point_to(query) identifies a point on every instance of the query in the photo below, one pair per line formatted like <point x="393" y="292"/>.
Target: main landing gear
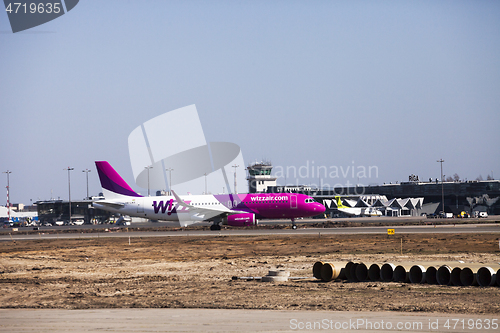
<point x="214" y="227"/>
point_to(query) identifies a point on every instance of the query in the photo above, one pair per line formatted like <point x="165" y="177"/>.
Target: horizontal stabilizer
<point x="115" y="205"/>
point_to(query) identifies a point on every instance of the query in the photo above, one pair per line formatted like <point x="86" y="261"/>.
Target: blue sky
<point x="394" y="85"/>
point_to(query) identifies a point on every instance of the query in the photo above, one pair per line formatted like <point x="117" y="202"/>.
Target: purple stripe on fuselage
<point x="265" y="205"/>
<point x="112" y="181"/>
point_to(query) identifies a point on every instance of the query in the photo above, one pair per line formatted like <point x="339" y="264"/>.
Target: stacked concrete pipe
<point x="455" y="276"/>
<point x="417" y="274"/>
<point x="443" y="275"/>
<point x="347" y="268"/>
<point x="486" y="276"/>
<point x="327" y="271"/>
<point x="447" y="273"/>
<point x="374" y="272"/>
<point x="317" y="269"/>
<point x="468" y="277"/>
<point x="361" y="272"/>
<point x="402" y="273"/>
<point x="387" y="272"/>
<point x="352" y="272"/>
<point x="430" y="275"/>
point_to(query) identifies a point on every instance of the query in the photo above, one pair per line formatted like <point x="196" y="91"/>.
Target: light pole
<point x="205" y="183"/>
<point x="235" y="166"/>
<point x="170" y="179"/>
<point x="87" y="174"/>
<point x="148" y="167"/>
<point x="8" y="194"/>
<point x="69" y="190"/>
<point x="442" y="184"/>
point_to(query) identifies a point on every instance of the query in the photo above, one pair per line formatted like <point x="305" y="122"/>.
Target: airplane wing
<point x="205" y="212"/>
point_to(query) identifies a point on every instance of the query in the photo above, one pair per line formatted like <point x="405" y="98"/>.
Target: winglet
<point x="179" y="200"/>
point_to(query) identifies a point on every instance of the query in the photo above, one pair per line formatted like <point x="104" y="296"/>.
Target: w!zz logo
<point x="166" y="207"/>
<point x="163" y="207"/>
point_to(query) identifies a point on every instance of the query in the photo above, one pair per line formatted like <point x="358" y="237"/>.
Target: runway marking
<point x="481" y="228"/>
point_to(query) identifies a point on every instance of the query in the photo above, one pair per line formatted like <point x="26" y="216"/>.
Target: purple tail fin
<point x="112" y="181"/>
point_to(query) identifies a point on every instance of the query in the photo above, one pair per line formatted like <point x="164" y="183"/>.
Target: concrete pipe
<point x="431" y="275"/>
<point x="468" y="277"/>
<point x="400" y="274"/>
<point x="352" y="272"/>
<point x="279" y="272"/>
<point x="387" y="272"/>
<point x="417" y="274"/>
<point x="374" y="272"/>
<point x="317" y="269"/>
<point x="486" y="276"/>
<point x="455" y="276"/>
<point x="342" y="274"/>
<point x="329" y="272"/>
<point x="348" y="270"/>
<point x="361" y="272"/>
<point x="443" y="275"/>
<point x="274" y="278"/>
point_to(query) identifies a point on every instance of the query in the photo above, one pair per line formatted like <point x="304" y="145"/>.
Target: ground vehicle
<point x="444" y="215"/>
<point x="480" y="214"/>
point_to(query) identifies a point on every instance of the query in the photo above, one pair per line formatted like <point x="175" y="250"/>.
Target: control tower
<point x="259" y="177"/>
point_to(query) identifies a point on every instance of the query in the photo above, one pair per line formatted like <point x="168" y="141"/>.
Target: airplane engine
<point x="241" y="220"/>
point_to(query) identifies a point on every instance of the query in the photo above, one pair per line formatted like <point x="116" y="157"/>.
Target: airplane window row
<point x="206" y="204"/>
<point x="246" y="202"/>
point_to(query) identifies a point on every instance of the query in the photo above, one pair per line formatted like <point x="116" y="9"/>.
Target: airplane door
<point x="293" y="201"/>
<point x="140" y="205"/>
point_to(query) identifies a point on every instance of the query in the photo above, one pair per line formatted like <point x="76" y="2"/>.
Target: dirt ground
<point x="196" y="272"/>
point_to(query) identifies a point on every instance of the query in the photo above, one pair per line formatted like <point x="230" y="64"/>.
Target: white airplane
<point x="15" y="216"/>
<point x="357" y="211"/>
<point x="236" y="210"/>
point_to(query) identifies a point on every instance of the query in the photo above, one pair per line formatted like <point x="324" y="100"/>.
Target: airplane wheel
<point x="215" y="227"/>
<point x="294" y="227"/>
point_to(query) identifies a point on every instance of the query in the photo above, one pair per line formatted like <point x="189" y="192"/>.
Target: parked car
<point x="480" y="214"/>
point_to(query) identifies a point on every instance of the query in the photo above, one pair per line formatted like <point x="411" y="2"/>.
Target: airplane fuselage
<point x="263" y="205"/>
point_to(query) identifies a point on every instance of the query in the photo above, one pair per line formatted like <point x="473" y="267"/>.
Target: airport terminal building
<point x="406" y="198"/>
<point x="52" y="211"/>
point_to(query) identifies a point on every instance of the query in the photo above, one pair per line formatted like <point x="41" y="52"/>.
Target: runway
<point x="231" y="320"/>
<point x="420" y="229"/>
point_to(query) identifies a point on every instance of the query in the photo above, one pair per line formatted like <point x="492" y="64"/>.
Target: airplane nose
<point x="321" y="208"/>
